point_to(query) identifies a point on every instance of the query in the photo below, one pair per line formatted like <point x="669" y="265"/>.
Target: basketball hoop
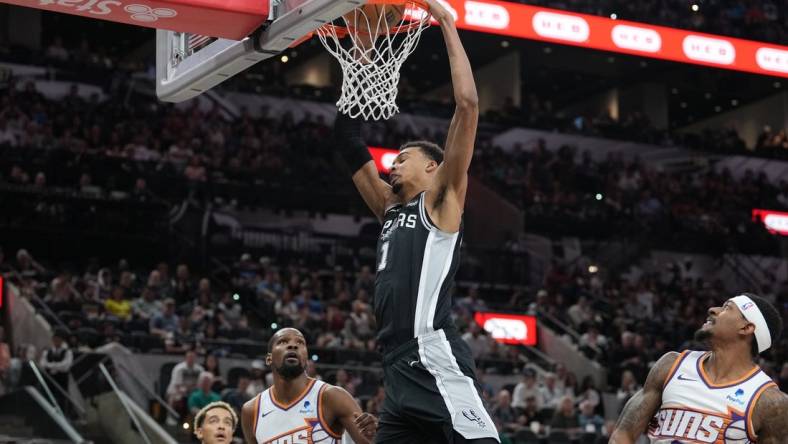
<point x="380" y="37"/>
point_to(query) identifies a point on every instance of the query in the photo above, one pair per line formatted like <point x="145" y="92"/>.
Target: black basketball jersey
<point x="416" y="264"/>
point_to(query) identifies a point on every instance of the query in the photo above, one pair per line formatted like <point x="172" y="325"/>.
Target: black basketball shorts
<point x="432" y="395"/>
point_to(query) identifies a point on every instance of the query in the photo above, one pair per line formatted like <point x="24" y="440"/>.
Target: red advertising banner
<point x="774" y="221"/>
<point x="621" y="36"/>
<point x="383" y="158"/>
<point x="508" y="328"/>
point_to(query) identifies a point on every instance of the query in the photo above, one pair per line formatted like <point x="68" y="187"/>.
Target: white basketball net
<point x="372" y="57"/>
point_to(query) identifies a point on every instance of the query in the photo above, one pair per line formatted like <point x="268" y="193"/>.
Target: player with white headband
<point x="720" y="396"/>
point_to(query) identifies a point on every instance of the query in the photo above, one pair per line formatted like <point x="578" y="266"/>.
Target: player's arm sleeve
<point x="355" y="154"/>
<point x="346" y="410"/>
<point x="644" y="404"/>
<point x="247" y="420"/>
<point x="771" y="417"/>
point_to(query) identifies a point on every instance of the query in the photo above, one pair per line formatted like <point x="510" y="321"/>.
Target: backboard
<point x="190" y="64"/>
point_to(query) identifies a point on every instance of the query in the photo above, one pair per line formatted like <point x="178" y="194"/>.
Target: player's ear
<point x="198" y="433"/>
<point x="748" y="329"/>
<point x="431" y="166"/>
<point x="268" y="359"/>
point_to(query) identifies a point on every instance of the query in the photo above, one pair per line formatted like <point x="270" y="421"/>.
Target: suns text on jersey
<point x="299" y="436"/>
<point x="687" y="425"/>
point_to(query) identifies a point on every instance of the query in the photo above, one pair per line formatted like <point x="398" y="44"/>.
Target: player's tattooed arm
<point x="248" y="411"/>
<point x="770" y="418"/>
<point x="644" y="404"/>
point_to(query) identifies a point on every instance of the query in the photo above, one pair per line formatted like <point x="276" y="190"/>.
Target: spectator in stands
<point x="477" y="340"/>
<point x="365" y="280"/>
<point x="183" y="380"/>
<point x="629" y="386"/>
<point x="486" y="389"/>
<point x="551" y="394"/>
<point x="211" y="365"/>
<point x="56" y="52"/>
<point x="360" y="322"/>
<point x="257" y="380"/>
<point x="166" y="323"/>
<point x="117" y="305"/>
<point x="588" y="420"/>
<point x="588" y="392"/>
<point x="231" y="311"/>
<point x="581" y="313"/>
<point x="203" y="394"/>
<point x="504" y="413"/>
<point x="5" y="363"/>
<point x="565" y="417"/>
<point x="527" y="388"/>
<point x="56" y="361"/>
<point x="147" y="306"/>
<point x="531" y="412"/>
<point x="286" y="308"/>
<point x="182" y="290"/>
<point x="238" y="395"/>
<point x="343" y="380"/>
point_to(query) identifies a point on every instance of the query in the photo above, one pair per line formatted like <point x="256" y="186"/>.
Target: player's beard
<point x="290" y="371"/>
<point x="703" y="336"/>
<point x="396" y="188"/>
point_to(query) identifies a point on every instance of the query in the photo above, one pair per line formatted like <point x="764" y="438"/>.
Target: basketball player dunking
<point x="430" y="382"/>
<point x="298" y="409"/>
<point x="719" y="396"/>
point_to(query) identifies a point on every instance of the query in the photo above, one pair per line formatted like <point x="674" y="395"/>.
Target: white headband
<point x="753" y="314"/>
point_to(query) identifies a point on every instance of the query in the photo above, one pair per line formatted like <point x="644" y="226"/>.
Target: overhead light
<point x="614" y="16"/>
<point x="236" y="297"/>
<point x="285" y="59"/>
<point x="599" y="196"/>
<point x="593" y="269"/>
<point x="185" y="426"/>
<point x="274" y="326"/>
<point x="315" y="358"/>
<point x="505" y="44"/>
<point x="695" y="7"/>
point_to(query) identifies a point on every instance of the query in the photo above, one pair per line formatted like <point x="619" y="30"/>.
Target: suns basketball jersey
<point x="416" y="264"/>
<point x="696" y="411"/>
<point x="300" y="422"/>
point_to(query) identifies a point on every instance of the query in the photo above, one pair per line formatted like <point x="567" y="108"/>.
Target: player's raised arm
<point x="374" y="190"/>
<point x="770" y="419"/>
<point x="360" y="426"/>
<point x="248" y="412"/>
<point x="461" y="137"/>
<point x="644" y="404"/>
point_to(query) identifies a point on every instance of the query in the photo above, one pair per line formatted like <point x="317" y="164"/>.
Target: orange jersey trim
<point x="295" y="401"/>
<point x="753" y="402"/>
<point x="675" y="367"/>
<point x="259" y="398"/>
<point x="321" y="418"/>
<point x="707" y="379"/>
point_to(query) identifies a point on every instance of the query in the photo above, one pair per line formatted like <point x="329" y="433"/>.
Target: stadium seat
<point x="165" y="373"/>
<point x="525" y="436"/>
<point x="558" y="437"/>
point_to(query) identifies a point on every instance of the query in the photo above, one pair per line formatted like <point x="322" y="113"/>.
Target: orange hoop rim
<point x="344" y="31"/>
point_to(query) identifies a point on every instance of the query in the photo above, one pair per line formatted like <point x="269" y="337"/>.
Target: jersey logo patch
<point x="471" y="415"/>
<point x="684" y="378"/>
